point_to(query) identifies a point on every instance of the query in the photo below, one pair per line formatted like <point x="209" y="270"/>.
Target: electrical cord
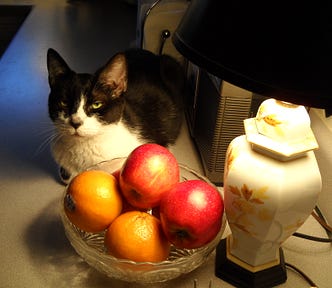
<point x="320" y="218"/>
<point x="305" y="276"/>
<point x="144" y="19"/>
<point x="312" y="238"/>
<point x="317" y="214"/>
<point x="165" y="33"/>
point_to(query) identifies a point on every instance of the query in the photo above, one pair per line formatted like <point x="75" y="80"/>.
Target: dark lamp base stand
<point x="241" y="277"/>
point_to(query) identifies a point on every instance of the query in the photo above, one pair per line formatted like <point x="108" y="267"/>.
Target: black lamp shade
<point x="279" y="49"/>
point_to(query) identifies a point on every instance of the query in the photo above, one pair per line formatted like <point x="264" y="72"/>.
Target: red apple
<point x="148" y="173"/>
<point x="191" y="214"/>
<point x="126" y="207"/>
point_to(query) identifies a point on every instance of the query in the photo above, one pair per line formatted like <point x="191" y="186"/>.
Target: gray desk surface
<point x="34" y="251"/>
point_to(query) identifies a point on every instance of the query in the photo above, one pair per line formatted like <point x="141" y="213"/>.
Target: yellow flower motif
<point x="247" y="202"/>
<point x="243" y="206"/>
<point x="272" y="120"/>
<point x="246" y="192"/>
<point x="264" y="215"/>
<point x="253" y="196"/>
<point x="234" y="190"/>
<point x="260" y="194"/>
<point x="231" y="154"/>
<point x="231" y="214"/>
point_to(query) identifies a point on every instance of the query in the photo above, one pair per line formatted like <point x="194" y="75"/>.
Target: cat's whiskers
<point x="51" y="133"/>
<point x="48" y="135"/>
<point x="61" y="130"/>
<point x="45" y="143"/>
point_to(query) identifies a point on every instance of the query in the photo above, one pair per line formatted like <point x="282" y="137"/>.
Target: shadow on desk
<point x="52" y="254"/>
<point x="60" y="266"/>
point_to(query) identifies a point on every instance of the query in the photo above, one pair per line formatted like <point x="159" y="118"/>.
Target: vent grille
<point x="231" y="113"/>
<point x="217" y="120"/>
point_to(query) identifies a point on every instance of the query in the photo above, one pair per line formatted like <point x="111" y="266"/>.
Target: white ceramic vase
<point x="271" y="185"/>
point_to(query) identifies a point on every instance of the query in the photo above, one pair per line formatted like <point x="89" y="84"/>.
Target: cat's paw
<point x="64" y="175"/>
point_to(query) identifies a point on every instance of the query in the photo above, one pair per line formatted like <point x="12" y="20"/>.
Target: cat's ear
<point x="114" y="75"/>
<point x="56" y="66"/>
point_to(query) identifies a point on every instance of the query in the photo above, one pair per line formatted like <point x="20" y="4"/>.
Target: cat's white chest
<point x="77" y="153"/>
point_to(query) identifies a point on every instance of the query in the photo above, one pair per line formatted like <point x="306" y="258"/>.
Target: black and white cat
<point x="134" y="99"/>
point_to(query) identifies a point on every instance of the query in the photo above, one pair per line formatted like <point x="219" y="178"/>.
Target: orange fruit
<point x="93" y="200"/>
<point x="137" y="236"/>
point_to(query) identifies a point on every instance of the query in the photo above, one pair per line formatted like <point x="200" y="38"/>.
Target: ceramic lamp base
<point x="237" y="274"/>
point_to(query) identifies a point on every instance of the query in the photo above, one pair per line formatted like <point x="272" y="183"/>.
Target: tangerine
<point x="93" y="200"/>
<point x="137" y="236"/>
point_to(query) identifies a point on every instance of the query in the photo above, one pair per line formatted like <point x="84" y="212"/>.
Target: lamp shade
<point x="280" y="49"/>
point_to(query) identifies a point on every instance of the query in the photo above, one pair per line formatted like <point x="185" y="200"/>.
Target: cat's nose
<point x="76" y="122"/>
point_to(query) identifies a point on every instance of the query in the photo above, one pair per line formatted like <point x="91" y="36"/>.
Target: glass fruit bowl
<point x="90" y="246"/>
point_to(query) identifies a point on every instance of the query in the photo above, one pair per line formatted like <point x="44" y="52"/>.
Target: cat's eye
<point x="96" y="105"/>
